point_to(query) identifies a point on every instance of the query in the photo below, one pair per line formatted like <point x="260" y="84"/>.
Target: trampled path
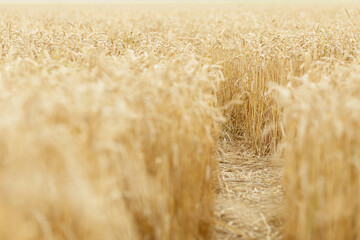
<point x="249" y="203"/>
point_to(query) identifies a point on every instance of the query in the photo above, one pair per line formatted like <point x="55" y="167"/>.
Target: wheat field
<point x="180" y="121"/>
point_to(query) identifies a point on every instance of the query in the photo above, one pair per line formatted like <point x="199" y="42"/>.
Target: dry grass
<point x="271" y="47"/>
<point x="163" y="121"/>
<point x="321" y="151"/>
<point x="102" y="135"/>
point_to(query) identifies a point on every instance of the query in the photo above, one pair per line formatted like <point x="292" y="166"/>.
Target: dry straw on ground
<point x="174" y="121"/>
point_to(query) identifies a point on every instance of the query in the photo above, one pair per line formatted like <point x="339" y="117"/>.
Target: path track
<point x="249" y="203"/>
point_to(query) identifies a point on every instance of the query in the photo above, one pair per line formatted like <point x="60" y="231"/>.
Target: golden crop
<point x="114" y="118"/>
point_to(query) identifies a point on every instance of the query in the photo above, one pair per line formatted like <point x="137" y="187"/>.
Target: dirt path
<point x="249" y="203"/>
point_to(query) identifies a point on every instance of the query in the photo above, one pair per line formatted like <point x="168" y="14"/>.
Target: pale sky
<point x="127" y="1"/>
<point x="165" y="1"/>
